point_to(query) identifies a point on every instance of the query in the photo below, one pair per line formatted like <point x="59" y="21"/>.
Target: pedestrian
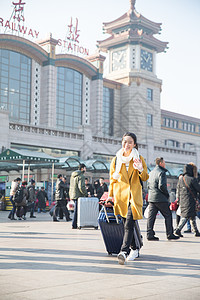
<point x="22" y="206"/>
<point x="98" y="190"/>
<point x="127" y="170"/>
<point x="14" y="186"/>
<point x="158" y="198"/>
<point x="65" y="198"/>
<point x="77" y="189"/>
<point x="89" y="188"/>
<point x="103" y="185"/>
<point x="60" y="197"/>
<point x="42" y="197"/>
<point x="187" y="189"/>
<point x="31" y="198"/>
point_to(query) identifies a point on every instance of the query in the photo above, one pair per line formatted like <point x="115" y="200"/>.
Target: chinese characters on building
<point x="71" y="42"/>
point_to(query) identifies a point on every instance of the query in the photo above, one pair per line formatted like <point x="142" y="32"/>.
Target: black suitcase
<point x="112" y="229"/>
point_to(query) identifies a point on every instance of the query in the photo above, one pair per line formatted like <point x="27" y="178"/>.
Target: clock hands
<point x="120" y="57"/>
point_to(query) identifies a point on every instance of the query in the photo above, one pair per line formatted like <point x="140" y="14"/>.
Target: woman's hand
<point x="138" y="165"/>
<point x="108" y="199"/>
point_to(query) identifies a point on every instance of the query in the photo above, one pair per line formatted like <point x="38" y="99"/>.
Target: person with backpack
<point x="127" y="170"/>
<point x="31" y="198"/>
<point x="20" y="199"/>
<point x="14" y="186"/>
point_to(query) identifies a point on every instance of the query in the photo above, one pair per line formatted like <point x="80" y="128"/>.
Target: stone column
<point x="87" y="149"/>
<point x="4" y="130"/>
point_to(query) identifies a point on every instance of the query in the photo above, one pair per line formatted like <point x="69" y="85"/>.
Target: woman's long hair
<point x="195" y="173"/>
<point x="133" y="136"/>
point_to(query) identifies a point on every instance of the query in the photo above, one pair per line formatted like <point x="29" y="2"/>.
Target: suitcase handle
<point x="107" y="218"/>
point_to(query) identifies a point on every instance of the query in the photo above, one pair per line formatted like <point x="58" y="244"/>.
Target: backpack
<point x="19" y="195"/>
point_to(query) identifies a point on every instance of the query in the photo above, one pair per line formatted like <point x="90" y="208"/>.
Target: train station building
<point x="70" y="106"/>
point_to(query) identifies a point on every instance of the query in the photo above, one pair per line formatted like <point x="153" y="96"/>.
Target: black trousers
<point x="60" y="204"/>
<point x="163" y="207"/>
<point x="128" y="240"/>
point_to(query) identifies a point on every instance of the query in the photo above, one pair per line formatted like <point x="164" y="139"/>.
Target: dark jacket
<point x="186" y="200"/>
<point x="60" y="190"/>
<point x="104" y="187"/>
<point x="157" y="185"/>
<point x="31" y="194"/>
<point x="77" y="185"/>
<point x="98" y="190"/>
<point x="25" y="197"/>
<point x="42" y="195"/>
<point x="89" y="189"/>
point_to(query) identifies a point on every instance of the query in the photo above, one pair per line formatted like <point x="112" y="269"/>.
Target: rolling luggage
<point x="88" y="212"/>
<point x="112" y="229"/>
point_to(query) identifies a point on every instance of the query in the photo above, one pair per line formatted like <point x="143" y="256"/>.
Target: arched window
<point x="188" y="146"/>
<point x="15" y="85"/>
<point x="172" y="143"/>
<point x="69" y="98"/>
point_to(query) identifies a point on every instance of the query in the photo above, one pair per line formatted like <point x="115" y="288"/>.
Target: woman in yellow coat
<point x="127" y="170"/>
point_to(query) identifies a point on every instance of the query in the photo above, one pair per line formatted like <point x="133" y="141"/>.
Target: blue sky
<point x="178" y="67"/>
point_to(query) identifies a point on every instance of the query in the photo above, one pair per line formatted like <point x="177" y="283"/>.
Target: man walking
<point x="158" y="201"/>
<point x="42" y="197"/>
<point x="77" y="189"/>
<point x="61" y="187"/>
<point x="31" y="198"/>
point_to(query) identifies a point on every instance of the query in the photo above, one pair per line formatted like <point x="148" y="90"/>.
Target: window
<point x="171" y="123"/>
<point x="15" y="85"/>
<point x="186" y="126"/>
<point x="172" y="143"/>
<point x="149" y="94"/>
<point x="108" y="107"/>
<point x="188" y="146"/>
<point x="149" y="120"/>
<point x="69" y="98"/>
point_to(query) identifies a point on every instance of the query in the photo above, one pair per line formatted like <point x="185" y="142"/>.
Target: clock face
<point x="118" y="60"/>
<point x="146" y="60"/>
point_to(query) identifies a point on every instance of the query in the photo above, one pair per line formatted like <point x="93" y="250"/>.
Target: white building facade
<point x="65" y="105"/>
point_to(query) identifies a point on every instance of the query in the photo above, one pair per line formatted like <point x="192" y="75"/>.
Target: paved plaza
<point x="41" y="259"/>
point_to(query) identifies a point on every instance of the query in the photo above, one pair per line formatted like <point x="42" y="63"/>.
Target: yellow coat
<point x="127" y="189"/>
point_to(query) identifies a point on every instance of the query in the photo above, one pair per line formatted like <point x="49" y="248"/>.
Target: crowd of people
<point x="128" y="171"/>
<point x="29" y="196"/>
<point x="24" y="198"/>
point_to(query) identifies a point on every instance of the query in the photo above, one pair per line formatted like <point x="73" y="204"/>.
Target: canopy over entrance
<point x="29" y="156"/>
<point x="26" y="156"/>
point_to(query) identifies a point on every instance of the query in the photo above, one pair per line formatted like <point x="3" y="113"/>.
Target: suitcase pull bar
<point x="107" y="218"/>
<point x="106" y="214"/>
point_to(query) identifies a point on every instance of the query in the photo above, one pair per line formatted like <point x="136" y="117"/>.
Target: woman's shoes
<point x="133" y="254"/>
<point x="121" y="258"/>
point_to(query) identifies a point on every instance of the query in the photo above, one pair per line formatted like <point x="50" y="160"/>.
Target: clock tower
<point x="132" y="49"/>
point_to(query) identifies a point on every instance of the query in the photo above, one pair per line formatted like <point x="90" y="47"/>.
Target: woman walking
<point x="187" y="189"/>
<point x="127" y="171"/>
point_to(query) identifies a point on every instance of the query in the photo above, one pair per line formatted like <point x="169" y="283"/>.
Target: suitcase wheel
<point x="96" y="227"/>
<point x="109" y="253"/>
<point x="79" y="227"/>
